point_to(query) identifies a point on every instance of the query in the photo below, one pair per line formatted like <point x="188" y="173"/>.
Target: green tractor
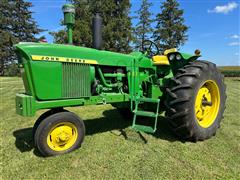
<point x="190" y="92"/>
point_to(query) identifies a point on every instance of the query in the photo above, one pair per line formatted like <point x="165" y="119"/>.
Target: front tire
<point x="45" y="115"/>
<point x="195" y="101"/>
<point x="59" y="133"/>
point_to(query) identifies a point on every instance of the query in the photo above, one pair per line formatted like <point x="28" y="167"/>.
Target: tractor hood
<point x="69" y="53"/>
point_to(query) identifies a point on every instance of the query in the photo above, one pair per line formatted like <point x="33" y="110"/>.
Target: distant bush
<point x="230" y="71"/>
<point x="11" y="70"/>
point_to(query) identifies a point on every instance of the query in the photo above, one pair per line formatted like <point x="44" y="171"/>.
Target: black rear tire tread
<point x="181" y="95"/>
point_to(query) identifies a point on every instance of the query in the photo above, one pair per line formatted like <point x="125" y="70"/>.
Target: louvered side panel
<point x="75" y="80"/>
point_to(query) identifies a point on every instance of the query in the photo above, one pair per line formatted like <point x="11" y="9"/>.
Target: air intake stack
<point x="69" y="20"/>
<point x="97" y="31"/>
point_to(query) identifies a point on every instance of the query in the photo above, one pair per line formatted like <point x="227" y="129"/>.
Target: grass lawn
<point x="112" y="150"/>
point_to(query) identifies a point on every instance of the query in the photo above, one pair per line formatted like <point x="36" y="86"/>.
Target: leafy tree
<point x="16" y="24"/>
<point x="82" y="28"/>
<point x="41" y="38"/>
<point x="82" y="34"/>
<point x="6" y="37"/>
<point x="25" y="27"/>
<point x="60" y="37"/>
<point x="12" y="70"/>
<point x="117" y="32"/>
<point x="143" y="28"/>
<point x="170" y="31"/>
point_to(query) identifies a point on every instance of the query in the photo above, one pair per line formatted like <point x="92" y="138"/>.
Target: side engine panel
<point x="110" y="79"/>
<point x="54" y="80"/>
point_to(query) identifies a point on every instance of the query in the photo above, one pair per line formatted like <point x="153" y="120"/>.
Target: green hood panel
<point x="69" y="51"/>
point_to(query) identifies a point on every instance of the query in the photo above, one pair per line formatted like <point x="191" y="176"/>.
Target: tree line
<point x="167" y="28"/>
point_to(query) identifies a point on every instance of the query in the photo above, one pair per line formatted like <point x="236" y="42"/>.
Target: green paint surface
<point x="47" y="78"/>
<point x="60" y="84"/>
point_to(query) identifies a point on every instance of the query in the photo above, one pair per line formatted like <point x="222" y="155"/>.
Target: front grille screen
<point x="76" y="80"/>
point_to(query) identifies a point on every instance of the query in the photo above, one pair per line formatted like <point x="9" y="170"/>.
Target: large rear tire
<point x="195" y="101"/>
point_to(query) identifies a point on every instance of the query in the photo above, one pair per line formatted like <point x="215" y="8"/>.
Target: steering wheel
<point x="150" y="48"/>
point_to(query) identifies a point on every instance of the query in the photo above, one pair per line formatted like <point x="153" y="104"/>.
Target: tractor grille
<point x="75" y="80"/>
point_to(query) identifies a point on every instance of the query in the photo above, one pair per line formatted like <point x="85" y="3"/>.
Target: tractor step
<point x="154" y="115"/>
<point x="143" y="128"/>
<point x="150" y="100"/>
<point x="145" y="113"/>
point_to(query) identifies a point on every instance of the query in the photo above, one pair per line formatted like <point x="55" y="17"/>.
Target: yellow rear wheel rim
<point x="62" y="136"/>
<point x="207" y="103"/>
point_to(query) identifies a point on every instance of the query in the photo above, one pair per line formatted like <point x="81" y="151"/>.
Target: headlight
<point x="172" y="57"/>
<point x="178" y="57"/>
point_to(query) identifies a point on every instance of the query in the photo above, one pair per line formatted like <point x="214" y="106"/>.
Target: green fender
<point x="189" y="57"/>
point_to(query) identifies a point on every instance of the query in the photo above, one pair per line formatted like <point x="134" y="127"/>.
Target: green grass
<point x="112" y="150"/>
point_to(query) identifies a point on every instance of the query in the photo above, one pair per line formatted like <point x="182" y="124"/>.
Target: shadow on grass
<point x="24" y="141"/>
<point x="111" y="121"/>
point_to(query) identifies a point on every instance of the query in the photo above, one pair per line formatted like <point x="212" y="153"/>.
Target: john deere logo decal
<point x="63" y="59"/>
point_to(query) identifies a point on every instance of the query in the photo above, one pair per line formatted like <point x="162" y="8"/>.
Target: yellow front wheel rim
<point x="62" y="136"/>
<point x="207" y="103"/>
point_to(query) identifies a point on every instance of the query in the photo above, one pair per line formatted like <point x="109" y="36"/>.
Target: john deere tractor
<point x="191" y="92"/>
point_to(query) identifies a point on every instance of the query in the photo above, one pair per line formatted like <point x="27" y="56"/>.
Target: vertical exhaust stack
<point x="97" y="31"/>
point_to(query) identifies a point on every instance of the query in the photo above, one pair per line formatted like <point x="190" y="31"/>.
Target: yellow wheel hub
<point x="207" y="104"/>
<point x="62" y="136"/>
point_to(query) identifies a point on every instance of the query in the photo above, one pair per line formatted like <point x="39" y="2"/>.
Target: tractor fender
<point x="189" y="57"/>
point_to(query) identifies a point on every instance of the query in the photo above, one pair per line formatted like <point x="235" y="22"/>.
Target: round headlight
<point x="178" y="57"/>
<point x="172" y="57"/>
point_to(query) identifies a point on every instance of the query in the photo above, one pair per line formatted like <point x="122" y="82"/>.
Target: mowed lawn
<point x="112" y="150"/>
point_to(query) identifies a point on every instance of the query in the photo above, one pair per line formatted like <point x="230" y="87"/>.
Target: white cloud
<point x="234" y="44"/>
<point x="235" y="36"/>
<point x="225" y="9"/>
